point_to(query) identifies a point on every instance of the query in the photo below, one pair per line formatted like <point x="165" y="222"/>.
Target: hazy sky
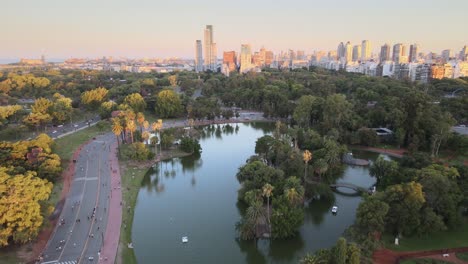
<point x="163" y="28"/>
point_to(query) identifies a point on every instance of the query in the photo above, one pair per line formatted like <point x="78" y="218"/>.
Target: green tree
<point x="168" y="104"/>
<point x="382" y="168"/>
<point x="340" y="251"/>
<point x="136" y="102"/>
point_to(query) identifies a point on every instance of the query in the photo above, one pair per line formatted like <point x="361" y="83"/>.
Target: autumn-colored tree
<point x="7" y="111"/>
<point x="93" y="98"/>
<point x="173" y="80"/>
<point x="20" y="206"/>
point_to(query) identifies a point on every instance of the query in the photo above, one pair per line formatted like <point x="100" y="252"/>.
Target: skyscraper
<point x="356" y="52"/>
<point x="245" y="58"/>
<point x="447" y="54"/>
<point x="384" y="53"/>
<point x="198" y="56"/>
<point x="464" y="54"/>
<point x="366" y="50"/>
<point x="413" y="53"/>
<point x="397" y="52"/>
<point x="348" y="52"/>
<point x="340" y="52"/>
<point x="230" y="60"/>
<point x="210" y="50"/>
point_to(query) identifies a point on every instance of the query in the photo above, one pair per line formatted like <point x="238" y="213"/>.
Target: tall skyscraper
<point x="464" y="54"/>
<point x="245" y="58"/>
<point x="384" y="53"/>
<point x="366" y="50"/>
<point x="210" y="50"/>
<point x="397" y="52"/>
<point x="413" y="53"/>
<point x="447" y="54"/>
<point x="348" y="52"/>
<point x="357" y="52"/>
<point x="198" y="56"/>
<point x="340" y="52"/>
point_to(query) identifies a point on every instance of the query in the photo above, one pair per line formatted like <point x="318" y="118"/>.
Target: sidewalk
<point x="114" y="220"/>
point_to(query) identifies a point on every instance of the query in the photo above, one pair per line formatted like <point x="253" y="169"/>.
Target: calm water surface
<point x="197" y="197"/>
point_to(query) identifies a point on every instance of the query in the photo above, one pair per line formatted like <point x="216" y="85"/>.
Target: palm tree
<point x="268" y="192"/>
<point x="320" y="167"/>
<point x="254" y="214"/>
<point x="141" y="120"/>
<point x="117" y="130"/>
<point x="145" y="136"/>
<point x="131" y="127"/>
<point x="145" y="125"/>
<point x="293" y="196"/>
<point x="306" y="156"/>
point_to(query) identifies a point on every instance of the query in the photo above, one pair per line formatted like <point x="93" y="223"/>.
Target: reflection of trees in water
<point x="252" y="254"/>
<point x="286" y="249"/>
<point x="191" y="164"/>
<point x="266" y="127"/>
<point x="152" y="181"/>
<point x="317" y="210"/>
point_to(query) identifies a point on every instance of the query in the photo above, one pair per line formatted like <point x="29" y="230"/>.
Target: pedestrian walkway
<point x="114" y="221"/>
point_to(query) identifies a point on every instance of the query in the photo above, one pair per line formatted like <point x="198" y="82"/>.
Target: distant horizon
<point x="87" y="28"/>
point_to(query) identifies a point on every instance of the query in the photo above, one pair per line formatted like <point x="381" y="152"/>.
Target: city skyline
<point x="88" y="29"/>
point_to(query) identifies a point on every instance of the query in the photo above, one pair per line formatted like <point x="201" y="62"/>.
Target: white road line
<point x="86" y="179"/>
<point x="49" y="262"/>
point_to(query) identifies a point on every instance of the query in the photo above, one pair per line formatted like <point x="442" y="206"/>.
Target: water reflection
<point x="197" y="196"/>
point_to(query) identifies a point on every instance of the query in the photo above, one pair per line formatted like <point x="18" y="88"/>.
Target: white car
<point x="55" y="131"/>
<point x="75" y="125"/>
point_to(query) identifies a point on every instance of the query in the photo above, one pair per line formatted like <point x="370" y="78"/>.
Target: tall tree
<point x="267" y="191"/>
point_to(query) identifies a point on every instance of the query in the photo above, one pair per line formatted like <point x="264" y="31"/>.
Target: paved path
<point x="79" y="236"/>
<point x="112" y="236"/>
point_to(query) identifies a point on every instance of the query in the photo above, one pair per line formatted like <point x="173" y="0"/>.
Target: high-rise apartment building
<point x="210" y="50"/>
<point x="356" y="52"/>
<point x="230" y="60"/>
<point x="198" y="56"/>
<point x="447" y="54"/>
<point x="269" y="57"/>
<point x="348" y="55"/>
<point x="397" y="52"/>
<point x="245" y="58"/>
<point x="413" y="53"/>
<point x="340" y="52"/>
<point x="300" y="55"/>
<point x="464" y="54"/>
<point x="366" y="50"/>
<point x="384" y="53"/>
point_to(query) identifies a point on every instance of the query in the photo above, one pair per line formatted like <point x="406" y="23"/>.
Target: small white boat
<point x="184" y="239"/>
<point x="334" y="209"/>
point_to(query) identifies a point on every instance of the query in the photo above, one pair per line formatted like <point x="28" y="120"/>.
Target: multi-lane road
<point x="79" y="235"/>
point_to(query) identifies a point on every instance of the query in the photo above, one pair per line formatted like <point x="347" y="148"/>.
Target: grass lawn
<point x="9" y="256"/>
<point x="440" y="240"/>
<point x="462" y="256"/>
<point x="131" y="182"/>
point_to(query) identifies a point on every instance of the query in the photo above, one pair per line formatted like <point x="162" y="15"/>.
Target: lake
<point x="197" y="197"/>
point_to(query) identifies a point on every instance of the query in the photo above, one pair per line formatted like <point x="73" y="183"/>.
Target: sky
<point x="168" y="28"/>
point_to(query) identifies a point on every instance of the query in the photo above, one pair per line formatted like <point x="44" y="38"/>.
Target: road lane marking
<point x="77" y="214"/>
<point x="86" y="179"/>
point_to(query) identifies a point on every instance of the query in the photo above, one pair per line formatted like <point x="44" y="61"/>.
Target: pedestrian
<point x="88" y="217"/>
<point x="98" y="228"/>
